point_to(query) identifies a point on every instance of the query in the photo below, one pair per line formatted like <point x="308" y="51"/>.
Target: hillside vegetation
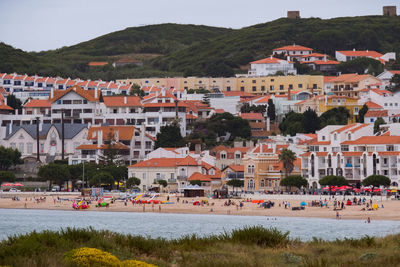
<point x="249" y="246"/>
<point x="173" y="49"/>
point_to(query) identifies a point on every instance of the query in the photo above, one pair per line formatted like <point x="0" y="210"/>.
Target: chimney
<point x="354" y="49"/>
<point x="51" y="93"/>
<point x="325" y="57"/>
<point x="261" y="148"/>
<point x="5" y="100"/>
<point x="125" y="100"/>
<point x="10" y="128"/>
<point x="274" y="148"/>
<point x="271" y="56"/>
<point x="197" y="148"/>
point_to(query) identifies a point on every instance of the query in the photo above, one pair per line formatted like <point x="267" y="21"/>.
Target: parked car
<point x="13" y="190"/>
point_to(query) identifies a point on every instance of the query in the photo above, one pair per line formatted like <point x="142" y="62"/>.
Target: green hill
<point x="239" y="47"/>
<point x="172" y="49"/>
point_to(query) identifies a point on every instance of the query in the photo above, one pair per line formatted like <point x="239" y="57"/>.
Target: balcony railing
<point x="171" y="180"/>
<point x="182" y="177"/>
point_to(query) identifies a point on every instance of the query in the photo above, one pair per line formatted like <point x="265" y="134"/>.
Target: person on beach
<point x="337" y="215"/>
<point x="369" y="220"/>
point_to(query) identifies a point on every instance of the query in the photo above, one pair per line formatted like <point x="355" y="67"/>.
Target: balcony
<point x="182" y="177"/>
<point x="235" y="176"/>
<point x="172" y="180"/>
<point x="349" y="165"/>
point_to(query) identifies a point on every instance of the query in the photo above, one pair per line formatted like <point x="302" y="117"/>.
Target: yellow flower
<point x="135" y="263"/>
<point x="87" y="257"/>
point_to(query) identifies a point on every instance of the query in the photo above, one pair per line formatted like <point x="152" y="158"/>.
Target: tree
<point x="376" y="181"/>
<point x="119" y="173"/>
<point x="195" y="182"/>
<point x="335" y="116"/>
<point x="132" y="181"/>
<point x="14" y="102"/>
<point x="395" y="83"/>
<point x="377" y="124"/>
<point x="9" y="157"/>
<point x="292" y="123"/>
<point x="111" y="153"/>
<point x="294" y="180"/>
<point x="7" y="176"/>
<point x="333" y="180"/>
<point x="164" y="183"/>
<point x="137" y="90"/>
<point x="271" y="110"/>
<point x="361" y="65"/>
<point x="235" y="183"/>
<point x="311" y="122"/>
<point x="362" y="113"/>
<point x="287" y="157"/>
<point x="56" y="173"/>
<point x="102" y="178"/>
<point x="169" y="136"/>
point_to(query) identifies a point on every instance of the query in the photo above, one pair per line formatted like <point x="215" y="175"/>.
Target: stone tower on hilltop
<point x="293" y="14"/>
<point x="389" y="11"/>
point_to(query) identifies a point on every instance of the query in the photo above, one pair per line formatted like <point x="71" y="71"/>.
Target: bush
<point x="258" y="235"/>
<point x="135" y="263"/>
<point x="87" y="257"/>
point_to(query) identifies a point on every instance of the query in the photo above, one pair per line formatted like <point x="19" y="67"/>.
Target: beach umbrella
<point x="356" y="189"/>
<point x="303" y="203"/>
<point x="17" y="184"/>
<point x="377" y="190"/>
<point x="6" y="184"/>
<point x="325" y="188"/>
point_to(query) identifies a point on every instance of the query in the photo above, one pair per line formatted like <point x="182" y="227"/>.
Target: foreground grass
<point x="250" y="246"/>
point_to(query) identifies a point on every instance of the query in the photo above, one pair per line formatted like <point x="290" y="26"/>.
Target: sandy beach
<point x="390" y="210"/>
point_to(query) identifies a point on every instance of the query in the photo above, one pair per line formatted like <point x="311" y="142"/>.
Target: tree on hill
<point x="395" y="83"/>
<point x="271" y="113"/>
<point x="7" y="176"/>
<point x="9" y="157"/>
<point x="376" y="181"/>
<point x="335" y="116"/>
<point x="361" y="65"/>
<point x="56" y="173"/>
<point x="137" y="90"/>
<point x="235" y="183"/>
<point x="333" y="180"/>
<point x="362" y="113"/>
<point x="132" y="181"/>
<point x="294" y="181"/>
<point x="311" y="121"/>
<point x="14" y="102"/>
<point x="169" y="136"/>
<point x="287" y="157"/>
<point x="377" y="124"/>
<point x="292" y="123"/>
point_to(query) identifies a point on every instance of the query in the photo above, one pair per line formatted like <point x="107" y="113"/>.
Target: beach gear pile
<point x="80" y="205"/>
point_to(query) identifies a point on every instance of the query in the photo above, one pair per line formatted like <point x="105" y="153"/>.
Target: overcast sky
<point x="35" y="25"/>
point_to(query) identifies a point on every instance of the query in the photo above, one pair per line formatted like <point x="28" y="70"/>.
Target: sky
<point x="37" y="25"/>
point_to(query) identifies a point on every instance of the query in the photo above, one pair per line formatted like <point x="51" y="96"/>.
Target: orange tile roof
<point x="320" y="143"/>
<point x="263" y="99"/>
<point x="323" y="62"/>
<point x="389" y="153"/>
<point x="251" y="116"/>
<point x="321" y="154"/>
<point x="358" y="127"/>
<point x="268" y="60"/>
<point x="170" y="105"/>
<point x="366" y="140"/>
<point x="350" y="78"/>
<point x="376" y="113"/>
<point x="190" y="116"/>
<point x="313" y="55"/>
<point x="219" y="110"/>
<point x="394" y="72"/>
<point x="125" y="132"/>
<point x="87" y="94"/>
<point x="367" y="53"/>
<point x="373" y="105"/>
<point x="157" y="163"/>
<point x="118" y="101"/>
<point x="118" y="145"/>
<point x="199" y="177"/>
<point x="237" y="168"/>
<point x="3" y="105"/>
<point x="307" y="154"/>
<point x="188" y="161"/>
<point x="293" y="48"/>
<point x="38" y="103"/>
<point x="344" y="128"/>
<point x="88" y="147"/>
<point x="97" y="63"/>
<point x="238" y="93"/>
<point x="352" y="153"/>
<point x="381" y="92"/>
<point x="328" y="79"/>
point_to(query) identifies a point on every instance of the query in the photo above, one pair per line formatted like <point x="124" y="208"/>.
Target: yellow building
<point x="326" y="103"/>
<point x="275" y="85"/>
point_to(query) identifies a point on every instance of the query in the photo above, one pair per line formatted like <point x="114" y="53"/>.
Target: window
<point x="144" y="176"/>
<point x="242" y="88"/>
<point x="262" y="88"/>
<point x="21" y="147"/>
<point x="200" y="82"/>
<point x="271" y="87"/>
<point x="314" y="86"/>
<point x="67" y="102"/>
<point x="254" y="88"/>
<point x="253" y="81"/>
<point x="323" y="137"/>
<point x="237" y="155"/>
<point x="250" y="168"/>
<point x="29" y="148"/>
<point x="262" y="183"/>
<point x="290" y="86"/>
<point x="223" y="155"/>
<point x="228" y="88"/>
<point x="300" y="85"/>
<point x="281" y="87"/>
<point x="172" y="176"/>
<point x="335" y="136"/>
<point x="13" y="146"/>
<point x="269" y="183"/>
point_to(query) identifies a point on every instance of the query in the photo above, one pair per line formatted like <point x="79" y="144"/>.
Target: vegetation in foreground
<point x="250" y="246"/>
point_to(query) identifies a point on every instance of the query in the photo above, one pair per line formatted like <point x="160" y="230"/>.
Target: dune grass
<point x="249" y="246"/>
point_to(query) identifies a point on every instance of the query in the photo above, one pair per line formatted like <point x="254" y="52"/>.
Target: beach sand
<point x="391" y="210"/>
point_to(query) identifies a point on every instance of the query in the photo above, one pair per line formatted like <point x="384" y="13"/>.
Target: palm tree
<point x="288" y="157"/>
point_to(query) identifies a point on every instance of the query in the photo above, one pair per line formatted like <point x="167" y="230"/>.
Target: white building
<point x="353" y="54"/>
<point x="293" y="51"/>
<point x="270" y="66"/>
<point x="386" y="76"/>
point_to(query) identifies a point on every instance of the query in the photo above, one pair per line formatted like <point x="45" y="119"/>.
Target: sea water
<point x="169" y="225"/>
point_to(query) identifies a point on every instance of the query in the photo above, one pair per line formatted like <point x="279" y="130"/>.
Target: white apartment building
<point x="293" y="51"/>
<point x="351" y="151"/>
<point x="353" y="54"/>
<point x="270" y="66"/>
<point x="386" y="76"/>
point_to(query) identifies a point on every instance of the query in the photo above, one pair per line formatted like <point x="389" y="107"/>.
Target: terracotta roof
<point x="352" y="153"/>
<point x="118" y="101"/>
<point x="366" y="140"/>
<point x="328" y="79"/>
<point x="394" y="72"/>
<point x="252" y="116"/>
<point x="313" y="55"/>
<point x="376" y="113"/>
<point x="125" y="132"/>
<point x="381" y="92"/>
<point x="266" y="149"/>
<point x="188" y="161"/>
<point x="118" y="145"/>
<point x="293" y="48"/>
<point x="88" y="147"/>
<point x="87" y="94"/>
<point x="219" y="110"/>
<point x="367" y="53"/>
<point x="373" y="105"/>
<point x="171" y="105"/>
<point x="238" y="93"/>
<point x="268" y="60"/>
<point x="263" y="99"/>
<point x="237" y="168"/>
<point x="157" y="162"/>
<point x="307" y="154"/>
<point x="321" y="154"/>
<point x="199" y="177"/>
<point x="389" y="153"/>
<point x="350" y="78"/>
<point x="320" y="143"/>
<point x="344" y="128"/>
<point x="97" y="63"/>
<point x="323" y="62"/>
<point x="358" y="127"/>
<point x="3" y="105"/>
<point x="190" y="116"/>
<point x="38" y="103"/>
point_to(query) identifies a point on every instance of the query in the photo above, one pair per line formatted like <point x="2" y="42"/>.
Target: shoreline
<point x="390" y="212"/>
